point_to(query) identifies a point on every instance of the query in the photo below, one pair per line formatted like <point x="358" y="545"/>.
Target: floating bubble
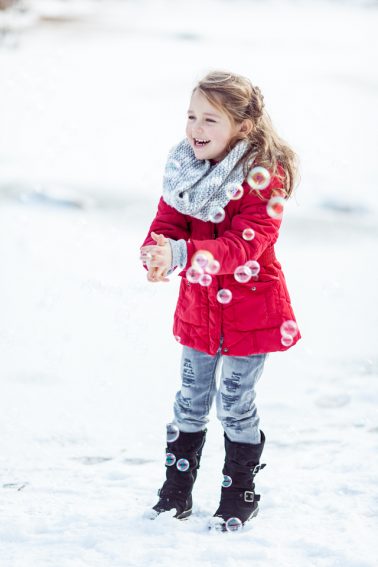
<point x="254" y="266"/>
<point x="289" y="328"/>
<point x="193" y="275"/>
<point x="213" y="267"/>
<point x="235" y="192"/>
<point x="248" y="234"/>
<point x="224" y="296"/>
<point x="172" y="432"/>
<point x="201" y="259"/>
<point x="205" y="280"/>
<point x="182" y="465"/>
<point x="227" y="481"/>
<point x="217" y="215"/>
<point x="170" y="459"/>
<point x="233" y="524"/>
<point x="258" y="178"/>
<point x="242" y="274"/>
<point x="286" y="340"/>
<point x="275" y="207"/>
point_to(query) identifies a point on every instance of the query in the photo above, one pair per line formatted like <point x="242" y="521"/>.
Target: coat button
<point x="225" y="349"/>
<point x="253" y="288"/>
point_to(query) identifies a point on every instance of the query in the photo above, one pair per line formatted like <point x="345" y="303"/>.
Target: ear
<point x="246" y="127"/>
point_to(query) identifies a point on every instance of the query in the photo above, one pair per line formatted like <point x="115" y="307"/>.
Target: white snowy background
<point x="92" y="96"/>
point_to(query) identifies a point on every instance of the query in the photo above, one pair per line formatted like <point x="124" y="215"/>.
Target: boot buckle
<point x="249" y="496"/>
<point x="258" y="468"/>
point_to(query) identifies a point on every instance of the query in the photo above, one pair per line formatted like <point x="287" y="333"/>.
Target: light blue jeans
<point x="235" y="395"/>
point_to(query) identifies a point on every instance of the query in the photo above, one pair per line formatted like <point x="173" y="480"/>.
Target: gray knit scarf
<point x="196" y="187"/>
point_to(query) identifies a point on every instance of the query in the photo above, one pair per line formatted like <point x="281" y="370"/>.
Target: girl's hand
<point x="158" y="258"/>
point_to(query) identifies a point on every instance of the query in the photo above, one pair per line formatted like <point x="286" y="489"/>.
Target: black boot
<point x="238" y="498"/>
<point x="182" y="461"/>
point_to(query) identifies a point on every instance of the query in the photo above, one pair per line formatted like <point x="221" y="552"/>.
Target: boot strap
<point x="258" y="468"/>
<point x="250" y="496"/>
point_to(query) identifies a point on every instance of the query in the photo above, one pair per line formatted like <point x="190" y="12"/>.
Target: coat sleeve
<point x="231" y="249"/>
<point x="169" y="222"/>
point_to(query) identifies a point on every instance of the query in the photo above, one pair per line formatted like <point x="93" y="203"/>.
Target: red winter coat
<point x="250" y="323"/>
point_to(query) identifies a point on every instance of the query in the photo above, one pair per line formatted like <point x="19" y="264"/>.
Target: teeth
<point x="201" y="141"/>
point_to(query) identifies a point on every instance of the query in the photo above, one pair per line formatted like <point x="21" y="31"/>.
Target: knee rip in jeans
<point x="233" y="383"/>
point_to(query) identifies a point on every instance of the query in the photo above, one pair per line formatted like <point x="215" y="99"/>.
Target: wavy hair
<point x="240" y="100"/>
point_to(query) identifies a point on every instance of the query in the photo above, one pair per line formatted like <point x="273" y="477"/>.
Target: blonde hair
<point x="239" y="99"/>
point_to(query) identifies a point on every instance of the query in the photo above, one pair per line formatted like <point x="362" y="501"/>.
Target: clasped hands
<point x="157" y="258"/>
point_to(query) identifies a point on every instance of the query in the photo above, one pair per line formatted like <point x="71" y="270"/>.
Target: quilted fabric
<point x="250" y="323"/>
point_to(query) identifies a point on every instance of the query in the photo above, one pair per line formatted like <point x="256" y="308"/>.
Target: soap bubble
<point x="233" y="524"/>
<point x="172" y="432"/>
<point x="286" y="340"/>
<point x="289" y="328"/>
<point x="217" y="215"/>
<point x="182" y="465"/>
<point x="235" y="192"/>
<point x="224" y="296"/>
<point x="258" y="178"/>
<point x="193" y="275"/>
<point x="248" y="234"/>
<point x="213" y="267"/>
<point x="227" y="481"/>
<point x="242" y="274"/>
<point x="254" y="266"/>
<point x="170" y="459"/>
<point x="205" y="280"/>
<point x="275" y="207"/>
<point x="201" y="259"/>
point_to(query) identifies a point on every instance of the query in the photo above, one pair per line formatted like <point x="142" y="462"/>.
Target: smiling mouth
<point x="200" y="143"/>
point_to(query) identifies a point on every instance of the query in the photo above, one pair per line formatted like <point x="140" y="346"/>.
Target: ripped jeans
<point x="235" y="395"/>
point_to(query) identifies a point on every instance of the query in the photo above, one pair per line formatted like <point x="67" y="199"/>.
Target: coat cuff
<point x="179" y="254"/>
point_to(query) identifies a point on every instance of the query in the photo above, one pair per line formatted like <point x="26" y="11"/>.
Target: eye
<point x="190" y="117"/>
<point x="210" y="120"/>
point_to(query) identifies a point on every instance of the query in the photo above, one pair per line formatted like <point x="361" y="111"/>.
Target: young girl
<point x="218" y="218"/>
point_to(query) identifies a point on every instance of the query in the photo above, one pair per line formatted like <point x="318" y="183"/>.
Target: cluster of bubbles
<point x="203" y="267"/>
<point x="249" y="270"/>
<point x="173" y="433"/>
<point x="259" y="178"/>
<point x="289" y="330"/>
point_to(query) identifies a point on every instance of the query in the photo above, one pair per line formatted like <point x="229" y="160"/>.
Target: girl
<point x="218" y="219"/>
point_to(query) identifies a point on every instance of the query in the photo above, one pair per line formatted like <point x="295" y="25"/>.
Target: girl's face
<point x="208" y="129"/>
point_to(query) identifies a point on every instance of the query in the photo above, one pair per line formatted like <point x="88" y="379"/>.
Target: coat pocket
<point x="254" y="305"/>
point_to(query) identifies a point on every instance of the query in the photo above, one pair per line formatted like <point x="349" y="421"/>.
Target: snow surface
<point x="90" y="106"/>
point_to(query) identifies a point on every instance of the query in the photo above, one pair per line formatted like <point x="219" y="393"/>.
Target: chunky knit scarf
<point x="196" y="187"/>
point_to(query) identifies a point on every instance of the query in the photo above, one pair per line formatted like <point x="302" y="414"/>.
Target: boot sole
<point x="220" y="525"/>
<point x="153" y="514"/>
<point x="184" y="515"/>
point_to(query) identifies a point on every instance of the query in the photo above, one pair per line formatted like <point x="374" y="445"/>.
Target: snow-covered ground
<point x="90" y="106"/>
